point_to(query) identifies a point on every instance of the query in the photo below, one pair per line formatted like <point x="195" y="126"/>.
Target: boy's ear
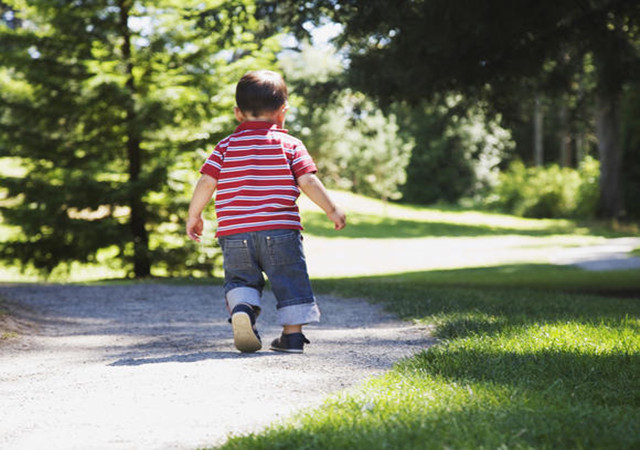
<point x="282" y="112"/>
<point x="238" y="113"/>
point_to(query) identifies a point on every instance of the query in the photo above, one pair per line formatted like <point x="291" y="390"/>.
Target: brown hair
<point x="261" y="91"/>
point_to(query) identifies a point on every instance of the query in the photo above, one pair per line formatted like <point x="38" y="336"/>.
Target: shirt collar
<point x="258" y="125"/>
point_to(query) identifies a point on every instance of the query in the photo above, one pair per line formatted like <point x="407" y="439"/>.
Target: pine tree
<point x="108" y="106"/>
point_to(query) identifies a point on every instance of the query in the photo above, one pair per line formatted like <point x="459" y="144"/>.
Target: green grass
<point x="376" y="227"/>
<point x="538" y="277"/>
<point x="530" y="365"/>
<point x="369" y="218"/>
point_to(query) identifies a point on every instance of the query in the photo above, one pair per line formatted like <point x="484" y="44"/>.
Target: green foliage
<point x="359" y="148"/>
<point x="548" y="191"/>
<point x="354" y="144"/>
<point x="457" y="153"/>
<point x="110" y="108"/>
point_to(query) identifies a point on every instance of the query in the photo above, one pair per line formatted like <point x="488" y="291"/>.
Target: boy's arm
<point x="314" y="189"/>
<point x="205" y="187"/>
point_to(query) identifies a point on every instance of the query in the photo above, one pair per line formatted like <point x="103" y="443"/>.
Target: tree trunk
<point x="610" y="70"/>
<point x="538" y="132"/>
<point x="581" y="147"/>
<point x="141" y="259"/>
<point x="608" y="133"/>
<point x="565" y="135"/>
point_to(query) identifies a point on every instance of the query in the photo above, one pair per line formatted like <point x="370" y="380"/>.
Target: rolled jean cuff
<point x="299" y="314"/>
<point x="246" y="295"/>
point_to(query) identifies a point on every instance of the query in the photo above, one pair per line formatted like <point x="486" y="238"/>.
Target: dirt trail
<point x="153" y="366"/>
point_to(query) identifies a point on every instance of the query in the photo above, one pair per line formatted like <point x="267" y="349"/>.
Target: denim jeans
<point x="279" y="254"/>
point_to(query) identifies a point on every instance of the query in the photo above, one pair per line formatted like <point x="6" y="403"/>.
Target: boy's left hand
<point x="338" y="217"/>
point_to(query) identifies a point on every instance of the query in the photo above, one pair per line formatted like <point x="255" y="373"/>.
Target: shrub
<point x="457" y="153"/>
<point x="548" y="192"/>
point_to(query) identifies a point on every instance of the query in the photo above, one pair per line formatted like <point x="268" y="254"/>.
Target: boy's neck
<point x="276" y="117"/>
<point x="260" y="119"/>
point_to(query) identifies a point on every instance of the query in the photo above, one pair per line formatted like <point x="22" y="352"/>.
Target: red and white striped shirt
<point x="256" y="168"/>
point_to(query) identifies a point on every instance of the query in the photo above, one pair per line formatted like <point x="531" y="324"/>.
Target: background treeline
<point x="108" y="108"/>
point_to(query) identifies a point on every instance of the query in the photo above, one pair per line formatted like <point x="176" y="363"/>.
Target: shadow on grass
<point x="413" y="287"/>
<point x="509" y="302"/>
<point x="607" y="378"/>
<point x="378" y="227"/>
<point x="487" y="301"/>
<point x="375" y="227"/>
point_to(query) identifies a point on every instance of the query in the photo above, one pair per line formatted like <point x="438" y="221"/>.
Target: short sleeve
<point x="213" y="164"/>
<point x="302" y="162"/>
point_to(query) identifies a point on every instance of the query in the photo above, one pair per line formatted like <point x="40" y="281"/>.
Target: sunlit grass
<point x="373" y="218"/>
<point x="369" y="217"/>
<point x="528" y="366"/>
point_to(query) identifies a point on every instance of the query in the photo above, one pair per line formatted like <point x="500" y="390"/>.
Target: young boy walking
<point x="257" y="172"/>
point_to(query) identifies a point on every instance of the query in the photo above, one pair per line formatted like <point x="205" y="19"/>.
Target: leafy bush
<point x="356" y="146"/>
<point x="457" y="151"/>
<point x="550" y="191"/>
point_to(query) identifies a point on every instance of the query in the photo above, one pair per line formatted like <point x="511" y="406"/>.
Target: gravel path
<point x="154" y="367"/>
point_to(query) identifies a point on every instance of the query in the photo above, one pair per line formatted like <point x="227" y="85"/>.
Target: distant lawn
<point x="370" y="218"/>
<point x="522" y="363"/>
<point x="367" y="219"/>
<point x="377" y="227"/>
<point x="536" y="277"/>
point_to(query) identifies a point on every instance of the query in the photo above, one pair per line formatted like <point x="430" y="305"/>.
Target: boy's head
<point x="260" y="93"/>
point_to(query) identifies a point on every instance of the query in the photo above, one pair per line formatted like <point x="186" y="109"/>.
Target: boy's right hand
<point x="195" y="225"/>
<point x="338" y="217"/>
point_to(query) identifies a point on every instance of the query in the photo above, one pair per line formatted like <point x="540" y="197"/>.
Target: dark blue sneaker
<point x="290" y="343"/>
<point x="245" y="335"/>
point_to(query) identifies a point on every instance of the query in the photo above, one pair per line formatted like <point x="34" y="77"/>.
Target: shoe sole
<point x="286" y="350"/>
<point x="296" y="352"/>
<point x="244" y="338"/>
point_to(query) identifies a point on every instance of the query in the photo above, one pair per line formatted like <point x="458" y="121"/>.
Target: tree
<point x="107" y="105"/>
<point x="457" y="153"/>
<point x="354" y="144"/>
<point x="412" y="50"/>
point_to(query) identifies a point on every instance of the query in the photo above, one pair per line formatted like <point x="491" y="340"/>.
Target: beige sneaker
<point x="245" y="335"/>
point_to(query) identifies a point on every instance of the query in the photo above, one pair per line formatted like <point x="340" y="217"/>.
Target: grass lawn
<point x="529" y="355"/>
<point x="523" y="362"/>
